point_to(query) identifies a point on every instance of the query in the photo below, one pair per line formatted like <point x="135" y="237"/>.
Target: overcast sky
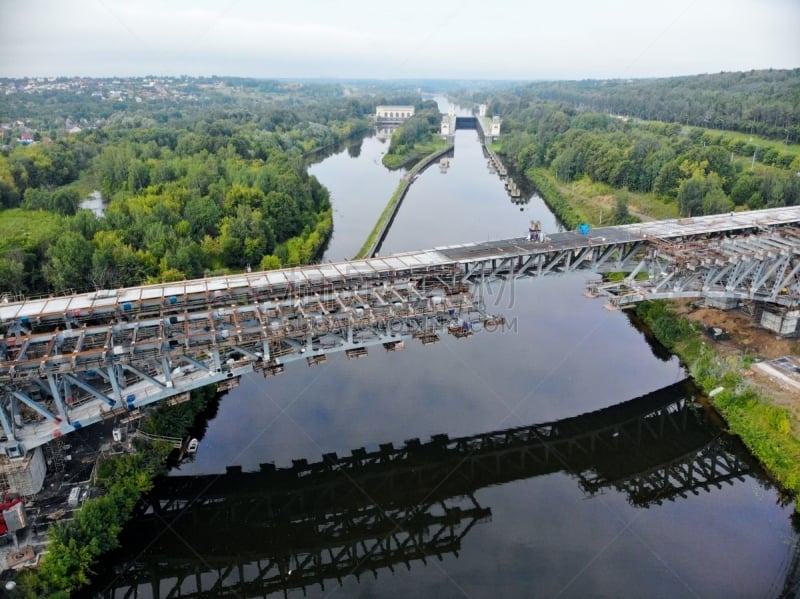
<point x="494" y="39"/>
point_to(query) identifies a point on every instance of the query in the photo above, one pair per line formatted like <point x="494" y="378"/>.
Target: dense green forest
<point x="193" y="186"/>
<point x="765" y="103"/>
<point x="704" y="171"/>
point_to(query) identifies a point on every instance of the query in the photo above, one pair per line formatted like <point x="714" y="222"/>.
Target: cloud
<point x="354" y="38"/>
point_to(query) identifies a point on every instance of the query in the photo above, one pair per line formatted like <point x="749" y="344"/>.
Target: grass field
<point x="26" y="228"/>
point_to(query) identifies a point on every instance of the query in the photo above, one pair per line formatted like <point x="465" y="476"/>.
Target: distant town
<point x="123" y="90"/>
<point x="67" y="99"/>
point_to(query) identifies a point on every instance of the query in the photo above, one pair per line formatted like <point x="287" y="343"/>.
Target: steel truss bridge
<point x="255" y="533"/>
<point x="68" y="362"/>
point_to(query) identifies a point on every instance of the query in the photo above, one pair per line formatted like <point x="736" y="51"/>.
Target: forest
<point x="764" y="103"/>
<point x="702" y="170"/>
<point x="191" y="188"/>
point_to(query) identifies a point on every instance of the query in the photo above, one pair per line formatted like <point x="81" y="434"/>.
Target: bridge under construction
<point x="67" y="362"/>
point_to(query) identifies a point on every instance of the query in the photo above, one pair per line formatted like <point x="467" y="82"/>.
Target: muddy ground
<point x="747" y="336"/>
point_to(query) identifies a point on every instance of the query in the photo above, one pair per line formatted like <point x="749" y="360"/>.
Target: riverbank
<point x="770" y="431"/>
<point x="418" y="153"/>
<point x="74" y="545"/>
<point x="767" y="423"/>
<point x="586" y="201"/>
<point x="378" y="233"/>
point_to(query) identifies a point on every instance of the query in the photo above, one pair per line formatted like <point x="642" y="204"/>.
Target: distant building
<point x="393" y="114"/>
<point x="25" y="138"/>
<point x="482" y="110"/>
<point x="495" y="131"/>
<point x="445" y="128"/>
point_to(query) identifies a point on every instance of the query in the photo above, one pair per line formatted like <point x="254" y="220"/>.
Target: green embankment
<point x="764" y="428"/>
<point x="368" y="248"/>
<point x="587" y="201"/>
<point x="418" y="153"/>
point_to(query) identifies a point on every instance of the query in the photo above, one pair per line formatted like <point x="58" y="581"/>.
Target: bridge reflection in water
<point x="255" y="533"/>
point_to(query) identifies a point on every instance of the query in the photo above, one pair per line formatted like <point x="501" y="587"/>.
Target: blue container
<point x="127" y="306"/>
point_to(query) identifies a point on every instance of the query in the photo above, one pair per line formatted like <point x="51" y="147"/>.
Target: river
<point x="589" y="522"/>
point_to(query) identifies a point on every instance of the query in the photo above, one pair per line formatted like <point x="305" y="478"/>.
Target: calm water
<point x="544" y="534"/>
<point x="360" y="186"/>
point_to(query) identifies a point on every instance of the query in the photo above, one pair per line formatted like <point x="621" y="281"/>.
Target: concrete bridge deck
<point x="393" y="266"/>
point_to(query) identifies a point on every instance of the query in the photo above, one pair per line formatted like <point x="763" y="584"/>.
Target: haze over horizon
<point x="574" y="39"/>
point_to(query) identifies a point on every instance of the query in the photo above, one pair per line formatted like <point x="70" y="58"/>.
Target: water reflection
<point x="385" y="132"/>
<point x="256" y="533"/>
<point x="354" y="149"/>
<point x="359" y="185"/>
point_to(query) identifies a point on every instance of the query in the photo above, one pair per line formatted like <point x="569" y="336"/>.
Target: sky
<point x="448" y="39"/>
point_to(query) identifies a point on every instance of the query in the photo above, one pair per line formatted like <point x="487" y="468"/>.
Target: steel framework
<point x="762" y="267"/>
<point x="67" y="362"/>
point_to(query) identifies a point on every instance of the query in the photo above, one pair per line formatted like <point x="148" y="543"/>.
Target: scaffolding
<point x="54" y="455"/>
<point x="23" y="476"/>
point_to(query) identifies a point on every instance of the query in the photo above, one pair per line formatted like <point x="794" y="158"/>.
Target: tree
<point x="65" y="200"/>
<point x="246" y="237"/>
<point x="12" y="272"/>
<point x="690" y="195"/>
<point x="715" y="201"/>
<point x="284" y="215"/>
<point x="69" y="259"/>
<point x="115" y="264"/>
<point x="668" y="179"/>
<point x="112" y="168"/>
<point x="621" y="213"/>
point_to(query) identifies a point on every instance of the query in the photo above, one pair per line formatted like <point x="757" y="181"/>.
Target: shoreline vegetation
<point x="765" y="429"/>
<point x="75" y="545"/>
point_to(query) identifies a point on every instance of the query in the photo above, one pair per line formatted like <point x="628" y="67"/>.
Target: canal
<point x="681" y="511"/>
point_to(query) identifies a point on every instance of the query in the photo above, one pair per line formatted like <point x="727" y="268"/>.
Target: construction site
<point x="51" y="483"/>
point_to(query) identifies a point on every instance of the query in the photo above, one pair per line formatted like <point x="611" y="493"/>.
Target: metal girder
<point x="54" y="390"/>
<point x="35" y="406"/>
<point x="123" y="336"/>
<point x="91" y="390"/>
<point x="726" y="269"/>
<point x="132" y="360"/>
